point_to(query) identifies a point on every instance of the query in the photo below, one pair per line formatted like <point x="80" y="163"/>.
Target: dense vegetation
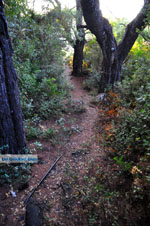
<point x="120" y="195"/>
<point x="40" y="45"/>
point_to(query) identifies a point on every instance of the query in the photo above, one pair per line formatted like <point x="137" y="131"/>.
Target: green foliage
<point x="92" y="81"/>
<point x="15" y="8"/>
<point x="49" y="133"/>
<point x="92" y="64"/>
<point x="39" y="43"/>
<point x="132" y="127"/>
<point x="48" y="87"/>
<point x="14" y="174"/>
<point x="92" y="56"/>
<point x="126" y="166"/>
<point x="119" y="26"/>
<point x="33" y="133"/>
<point x="127" y="140"/>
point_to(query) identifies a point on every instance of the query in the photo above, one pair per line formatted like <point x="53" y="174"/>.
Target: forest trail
<point x="80" y="149"/>
<point x="88" y="118"/>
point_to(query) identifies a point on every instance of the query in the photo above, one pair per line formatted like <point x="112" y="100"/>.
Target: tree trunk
<point x="111" y="66"/>
<point x="12" y="139"/>
<point x="110" y="73"/>
<point x="113" y="54"/>
<point x="78" y="57"/>
<point x="79" y="44"/>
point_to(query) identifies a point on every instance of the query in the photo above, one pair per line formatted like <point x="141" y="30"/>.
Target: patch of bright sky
<point x="110" y="8"/>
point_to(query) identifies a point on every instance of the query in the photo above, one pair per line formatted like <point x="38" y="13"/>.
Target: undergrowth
<point x="120" y="194"/>
<point x="115" y="190"/>
<point x="40" y="45"/>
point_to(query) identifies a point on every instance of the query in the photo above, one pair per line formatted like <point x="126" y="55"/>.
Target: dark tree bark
<point x="79" y="44"/>
<point x="113" y="54"/>
<point x="12" y="139"/>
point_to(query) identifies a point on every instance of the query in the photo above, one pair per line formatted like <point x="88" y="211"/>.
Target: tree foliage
<point x="113" y="54"/>
<point x="39" y="43"/>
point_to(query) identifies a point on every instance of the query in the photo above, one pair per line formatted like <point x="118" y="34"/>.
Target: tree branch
<point x="100" y="27"/>
<point x="145" y="37"/>
<point x="131" y="33"/>
<point x="93" y="18"/>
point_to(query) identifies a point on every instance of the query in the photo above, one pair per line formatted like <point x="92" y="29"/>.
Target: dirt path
<point x="88" y="118"/>
<point x="77" y="152"/>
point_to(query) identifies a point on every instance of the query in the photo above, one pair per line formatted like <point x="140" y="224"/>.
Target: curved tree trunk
<point x="79" y="44"/>
<point x="113" y="54"/>
<point x="12" y="139"/>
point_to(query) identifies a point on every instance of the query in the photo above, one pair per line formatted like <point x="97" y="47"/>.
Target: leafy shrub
<point x="92" y="56"/>
<point x="14" y="174"/>
<point x="92" y="81"/>
<point x="119" y="26"/>
<point x="39" y="58"/>
<point x="127" y="129"/>
<point x="33" y="133"/>
<point x="49" y="133"/>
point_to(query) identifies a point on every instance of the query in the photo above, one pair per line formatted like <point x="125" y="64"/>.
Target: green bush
<point x="33" y="133"/>
<point x="132" y="128"/>
<point x="92" y="57"/>
<point x="39" y="43"/>
<point x="14" y="174"/>
<point x="49" y="133"/>
<point x="92" y="81"/>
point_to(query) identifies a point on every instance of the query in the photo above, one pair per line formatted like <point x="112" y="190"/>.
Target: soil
<point x="77" y="149"/>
